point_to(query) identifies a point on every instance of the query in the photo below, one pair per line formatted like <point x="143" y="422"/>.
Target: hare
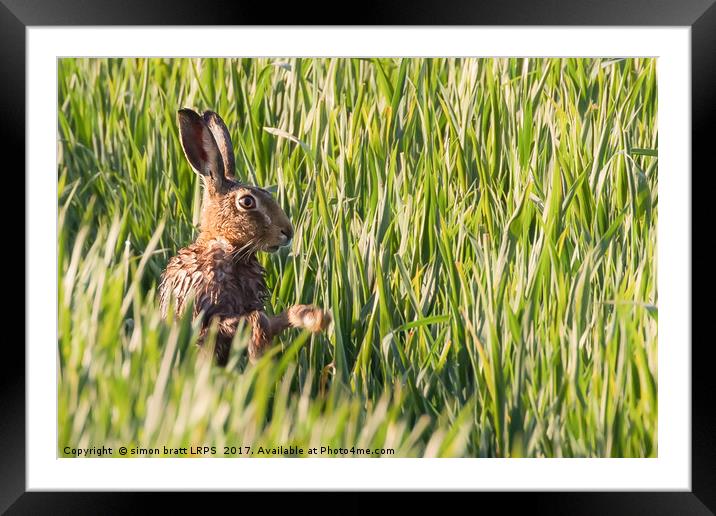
<point x="220" y="270"/>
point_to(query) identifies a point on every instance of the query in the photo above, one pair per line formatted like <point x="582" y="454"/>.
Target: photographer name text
<point x="224" y="451"/>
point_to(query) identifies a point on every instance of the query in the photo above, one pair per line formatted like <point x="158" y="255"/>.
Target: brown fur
<point x="220" y="270"/>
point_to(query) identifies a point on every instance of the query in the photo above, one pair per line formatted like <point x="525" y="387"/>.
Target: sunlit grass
<point x="484" y="232"/>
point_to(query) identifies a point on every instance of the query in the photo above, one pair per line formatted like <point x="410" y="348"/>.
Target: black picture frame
<point x="699" y="15"/>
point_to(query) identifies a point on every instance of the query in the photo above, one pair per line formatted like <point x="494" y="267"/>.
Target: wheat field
<point x="483" y="231"/>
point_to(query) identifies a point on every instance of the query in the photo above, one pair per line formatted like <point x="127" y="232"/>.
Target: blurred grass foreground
<point x="483" y="230"/>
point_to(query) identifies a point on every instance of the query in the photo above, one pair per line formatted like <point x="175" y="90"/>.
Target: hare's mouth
<point x="273" y="248"/>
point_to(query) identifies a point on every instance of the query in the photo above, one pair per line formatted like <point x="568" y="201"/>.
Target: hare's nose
<point x="288" y="233"/>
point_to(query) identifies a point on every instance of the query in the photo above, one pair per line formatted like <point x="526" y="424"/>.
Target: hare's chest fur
<point x="218" y="282"/>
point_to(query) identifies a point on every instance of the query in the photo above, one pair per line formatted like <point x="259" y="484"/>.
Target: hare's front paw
<point x="310" y="317"/>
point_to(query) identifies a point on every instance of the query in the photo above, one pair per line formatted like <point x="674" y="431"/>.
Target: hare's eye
<point x="247" y="202"/>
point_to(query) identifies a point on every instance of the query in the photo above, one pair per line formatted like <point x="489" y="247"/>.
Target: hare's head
<point x="246" y="216"/>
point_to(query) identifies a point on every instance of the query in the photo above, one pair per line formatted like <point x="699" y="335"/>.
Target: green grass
<point x="483" y="230"/>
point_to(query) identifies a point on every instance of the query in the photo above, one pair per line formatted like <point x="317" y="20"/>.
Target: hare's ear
<point x="200" y="148"/>
<point x="223" y="140"/>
